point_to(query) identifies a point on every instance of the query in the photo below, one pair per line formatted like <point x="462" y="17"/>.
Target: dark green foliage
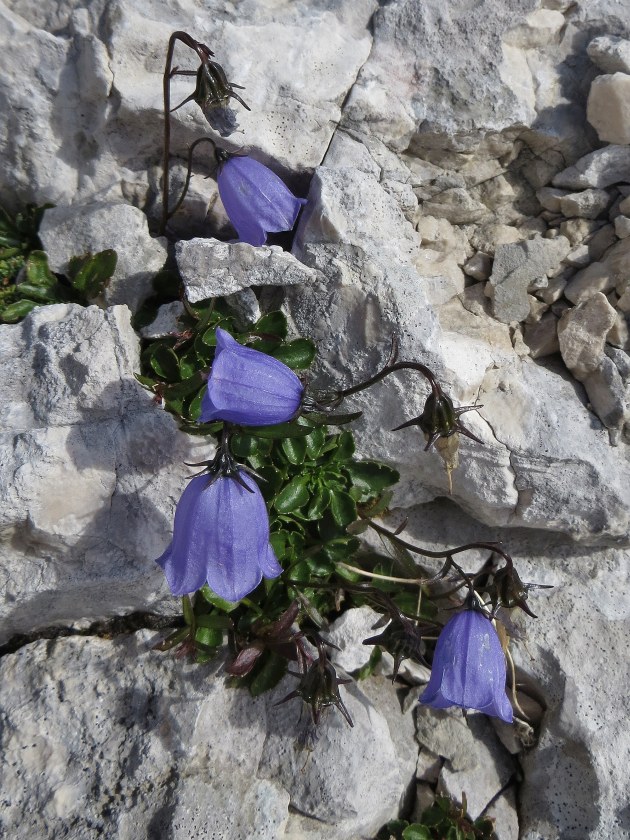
<point x="25" y="277"/>
<point x="444" y="820"/>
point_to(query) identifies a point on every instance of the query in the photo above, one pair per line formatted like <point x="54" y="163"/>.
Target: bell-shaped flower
<point x="469" y="667"/>
<point x="249" y="387"/>
<point x="220" y="537"/>
<point x="256" y="200"/>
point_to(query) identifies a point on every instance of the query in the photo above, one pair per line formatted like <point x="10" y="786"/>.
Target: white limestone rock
<point x="516" y="267"/>
<point x="166" y="322"/>
<point x="608" y="106"/>
<point x="622" y="226"/>
<point x="582" y="333"/>
<point x="588" y="204"/>
<point x="476" y="762"/>
<point x="368" y="289"/>
<point x="78" y="229"/>
<point x="610" y="53"/>
<point x="210" y="268"/>
<point x="89" y="122"/>
<point x="91" y="471"/>
<point x="596" y="277"/>
<point x="597" y="170"/>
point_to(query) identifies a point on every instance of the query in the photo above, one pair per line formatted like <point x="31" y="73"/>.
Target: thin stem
<point x="188" y="174"/>
<point x="424" y="552"/>
<point x="391" y="368"/>
<point x="203" y="53"/>
<point x="510" y="660"/>
<point x="356" y="570"/>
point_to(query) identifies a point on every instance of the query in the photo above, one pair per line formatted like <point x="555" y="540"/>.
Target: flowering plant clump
<point x="266" y="545"/>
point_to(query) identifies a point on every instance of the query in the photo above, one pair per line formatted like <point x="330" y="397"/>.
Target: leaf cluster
<point x="25" y="276"/>
<point x="443" y="820"/>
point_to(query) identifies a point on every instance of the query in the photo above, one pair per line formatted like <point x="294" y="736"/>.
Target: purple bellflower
<point x="220" y="537"/>
<point x="249" y="387"/>
<point x="255" y="199"/>
<point x="469" y="667"/>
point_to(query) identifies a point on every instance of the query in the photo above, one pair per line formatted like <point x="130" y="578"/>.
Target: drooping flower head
<point x="249" y="387"/>
<point x="469" y="667"/>
<point x="220" y="537"/>
<point x="256" y="200"/>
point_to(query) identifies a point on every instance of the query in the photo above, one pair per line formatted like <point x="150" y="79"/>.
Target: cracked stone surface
<point x="179" y="753"/>
<point x="91" y="471"/>
<point x="432" y="137"/>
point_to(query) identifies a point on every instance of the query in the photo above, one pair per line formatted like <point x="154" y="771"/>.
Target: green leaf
<point x="298" y="354"/>
<point x="417" y="832"/>
<point x="320" y="502"/>
<point x="37" y="271"/>
<point x="214" y="621"/>
<point x="345" y="447"/>
<point x="184" y="388"/>
<point x="325" y="419"/>
<point x="189" y="613"/>
<point x="280" y="430"/>
<point x="14" y="311"/>
<point x="294" y="449"/>
<point x="164" y="362"/>
<point x="90" y="274"/>
<point x="343" y="508"/>
<point x="271" y="671"/>
<point x="368" y="669"/>
<point x="371" y="476"/>
<point x="293" y="496"/>
<point x="42" y="294"/>
<point x="209" y="637"/>
<point x="219" y="603"/>
<point x="273" y="323"/>
<point x="315" y="442"/>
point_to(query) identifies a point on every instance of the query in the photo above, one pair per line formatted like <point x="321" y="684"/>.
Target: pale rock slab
<point x="596" y="277"/>
<point x="608" y="106"/>
<point x="622" y="226"/>
<point x="597" y="170"/>
<point x="516" y="267"/>
<point x="75" y="230"/>
<point x="539" y="28"/>
<point x="582" y="334"/>
<point x="210" y="268"/>
<point x="166" y="322"/>
<point x="610" y="53"/>
<point x="90" y="121"/>
<point x="332" y="794"/>
<point x="588" y="204"/>
<point x="476" y="762"/>
<point x="91" y="471"/>
<point x="607" y="394"/>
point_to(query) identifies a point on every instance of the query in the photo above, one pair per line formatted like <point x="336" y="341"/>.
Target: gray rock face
<point x="210" y="268"/>
<point x="514" y="270"/>
<point x="108" y="59"/>
<point x="91" y="471"/>
<point x="611" y="54"/>
<point x="73" y="231"/>
<point x="178" y="752"/>
<point x="364" y="291"/>
<point x="596" y="170"/>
